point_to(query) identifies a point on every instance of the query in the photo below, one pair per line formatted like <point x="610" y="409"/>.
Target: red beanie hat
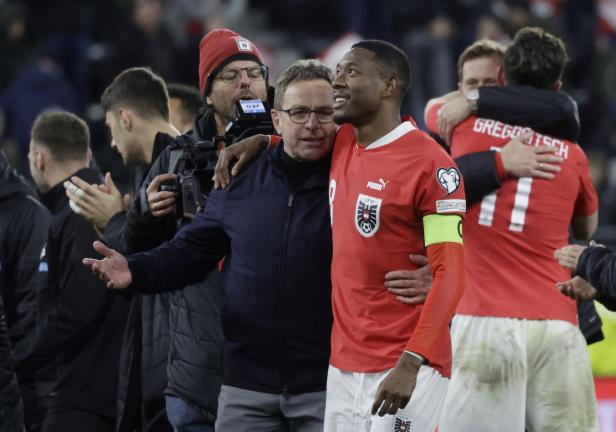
<point x="220" y="47"/>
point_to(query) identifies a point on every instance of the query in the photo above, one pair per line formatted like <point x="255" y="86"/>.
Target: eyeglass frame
<point x="310" y="111"/>
<point x="264" y="73"/>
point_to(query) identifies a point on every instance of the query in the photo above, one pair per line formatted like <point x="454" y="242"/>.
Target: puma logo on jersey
<point x="378" y="186"/>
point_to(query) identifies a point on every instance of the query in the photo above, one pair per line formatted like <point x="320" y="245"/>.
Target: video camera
<point x="194" y="162"/>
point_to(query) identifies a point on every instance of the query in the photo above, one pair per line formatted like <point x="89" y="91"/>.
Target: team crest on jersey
<point x="367" y="215"/>
<point x="402" y="424"/>
<point x="449" y="179"/>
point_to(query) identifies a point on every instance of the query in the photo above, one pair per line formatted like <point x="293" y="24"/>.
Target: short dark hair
<point x="392" y="58"/>
<point x="65" y="135"/>
<point x="139" y="89"/>
<point x="536" y="58"/>
<point x="301" y="70"/>
<point x="191" y="99"/>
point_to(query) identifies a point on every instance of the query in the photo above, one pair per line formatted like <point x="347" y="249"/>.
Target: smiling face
<point x="358" y="87"/>
<point x="481" y="71"/>
<point x="310" y="140"/>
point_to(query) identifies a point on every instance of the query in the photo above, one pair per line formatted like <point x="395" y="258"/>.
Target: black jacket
<point x="276" y="313"/>
<point x="11" y="410"/>
<point x="80" y="322"/>
<point x="598" y="266"/>
<point x="24" y="224"/>
<point x="549" y="112"/>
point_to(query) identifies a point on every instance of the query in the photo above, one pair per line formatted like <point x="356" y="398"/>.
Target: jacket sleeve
<point x="69" y="315"/>
<point x="137" y="230"/>
<point x="480" y="175"/>
<point x="546" y="111"/>
<point x="188" y="257"/>
<point x="598" y="266"/>
<point x="26" y="245"/>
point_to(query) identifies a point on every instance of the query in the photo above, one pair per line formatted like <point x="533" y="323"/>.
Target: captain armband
<point x="440" y="228"/>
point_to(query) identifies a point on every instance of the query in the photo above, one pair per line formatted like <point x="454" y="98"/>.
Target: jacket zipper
<point x="280" y="312"/>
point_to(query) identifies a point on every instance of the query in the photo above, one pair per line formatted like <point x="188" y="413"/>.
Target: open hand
<point x="112" y="269"/>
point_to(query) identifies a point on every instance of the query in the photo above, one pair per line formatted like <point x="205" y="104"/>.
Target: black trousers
<point x="71" y="419"/>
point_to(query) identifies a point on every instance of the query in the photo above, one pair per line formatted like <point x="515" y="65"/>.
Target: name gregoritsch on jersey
<point x="497" y="129"/>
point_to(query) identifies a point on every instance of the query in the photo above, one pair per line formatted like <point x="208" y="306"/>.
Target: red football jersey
<point x="378" y="198"/>
<point x="510" y="236"/>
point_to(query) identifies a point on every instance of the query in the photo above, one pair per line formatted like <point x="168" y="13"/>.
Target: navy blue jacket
<point x="276" y="314"/>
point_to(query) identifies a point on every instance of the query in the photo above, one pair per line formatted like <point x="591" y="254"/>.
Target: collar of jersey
<point x="401" y="129"/>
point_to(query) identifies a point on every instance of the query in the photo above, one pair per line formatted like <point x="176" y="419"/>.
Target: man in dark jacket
<point x="276" y="314"/>
<point x="136" y="108"/>
<point x="80" y="323"/>
<point x="24" y="224"/>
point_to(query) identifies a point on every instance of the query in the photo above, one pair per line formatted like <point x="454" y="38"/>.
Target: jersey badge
<point x="449" y="179"/>
<point x="402" y="424"/>
<point x="367" y="215"/>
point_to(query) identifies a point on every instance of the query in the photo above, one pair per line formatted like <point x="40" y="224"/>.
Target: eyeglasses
<point x="301" y="115"/>
<point x="232" y="75"/>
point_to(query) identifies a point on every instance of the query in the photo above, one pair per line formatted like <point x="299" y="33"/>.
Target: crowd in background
<point x="62" y="54"/>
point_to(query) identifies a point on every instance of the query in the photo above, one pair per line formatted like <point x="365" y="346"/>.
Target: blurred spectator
<point x="146" y="41"/>
<point x="13" y="46"/>
<point x="41" y="86"/>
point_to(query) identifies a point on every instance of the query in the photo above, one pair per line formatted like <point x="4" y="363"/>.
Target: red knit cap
<point x="220" y="47"/>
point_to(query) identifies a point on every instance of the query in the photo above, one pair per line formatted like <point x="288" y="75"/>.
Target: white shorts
<point x="350" y="396"/>
<point x="518" y="375"/>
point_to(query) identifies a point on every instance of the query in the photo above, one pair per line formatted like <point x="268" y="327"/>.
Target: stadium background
<point x="63" y="53"/>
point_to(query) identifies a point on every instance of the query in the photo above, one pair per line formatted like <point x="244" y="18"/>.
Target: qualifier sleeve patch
<point x="440" y="228"/>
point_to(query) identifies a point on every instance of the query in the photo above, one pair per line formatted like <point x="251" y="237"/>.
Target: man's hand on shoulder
<point x="452" y="113"/>
<point x="242" y="152"/>
<point x="523" y="160"/>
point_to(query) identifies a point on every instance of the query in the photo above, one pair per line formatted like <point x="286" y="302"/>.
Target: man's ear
<point x="500" y="76"/>
<point x="276" y="120"/>
<point x="40" y="159"/>
<point x="126" y="119"/>
<point x="391" y="86"/>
